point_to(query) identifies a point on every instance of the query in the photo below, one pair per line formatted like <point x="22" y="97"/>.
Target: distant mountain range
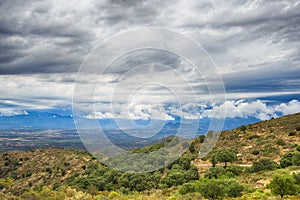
<point x="62" y="119"/>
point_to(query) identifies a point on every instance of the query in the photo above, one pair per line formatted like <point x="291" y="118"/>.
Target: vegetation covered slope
<point x="267" y="139"/>
<point x="74" y="174"/>
<point x="36" y="168"/>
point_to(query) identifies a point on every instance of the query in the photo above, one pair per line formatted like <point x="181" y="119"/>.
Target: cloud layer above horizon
<point x="255" y="45"/>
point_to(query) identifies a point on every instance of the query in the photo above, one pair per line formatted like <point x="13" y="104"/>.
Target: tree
<point x="282" y="185"/>
<point x="226" y="155"/>
<point x="213" y="160"/>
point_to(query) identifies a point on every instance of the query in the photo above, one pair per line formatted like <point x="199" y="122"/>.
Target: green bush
<point x="264" y="164"/>
<point x="63" y="172"/>
<point x="233" y="188"/>
<point x="191" y="174"/>
<point x="219" y="172"/>
<point x="280" y="142"/>
<point x="220" y="188"/>
<point x="269" y="150"/>
<point x="292" y="134"/>
<point x="201" y="138"/>
<point x="174" y="177"/>
<point x="296" y="159"/>
<point x="187" y="188"/>
<point x="255" y="152"/>
<point x="253" y="136"/>
<point x="236" y="170"/>
<point x="296" y="177"/>
<point x="124" y="190"/>
<point x="192" y="147"/>
<point x="49" y="170"/>
<point x="214" y="172"/>
<point x="287" y="160"/>
<point x="212" y="189"/>
<point x="243" y="128"/>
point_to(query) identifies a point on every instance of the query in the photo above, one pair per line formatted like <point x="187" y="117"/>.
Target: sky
<point x="254" y="45"/>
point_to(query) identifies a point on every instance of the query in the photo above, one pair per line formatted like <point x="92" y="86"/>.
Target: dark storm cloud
<point x="71" y="32"/>
<point x="47" y="37"/>
<point x="118" y="12"/>
<point x="262" y="80"/>
<point x="36" y="38"/>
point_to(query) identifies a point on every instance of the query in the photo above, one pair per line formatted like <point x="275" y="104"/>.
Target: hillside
<point x="35" y="168"/>
<point x="266" y="139"/>
<point x="66" y="173"/>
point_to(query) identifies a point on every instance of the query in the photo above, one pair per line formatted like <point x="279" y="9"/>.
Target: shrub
<point x="212" y="189"/>
<point x="292" y="134"/>
<point x="191" y="174"/>
<point x="236" y="170"/>
<point x="264" y="164"/>
<point x="219" y="188"/>
<point x="214" y="172"/>
<point x="296" y="177"/>
<point x="233" y="188"/>
<point x="201" y="138"/>
<point x="174" y="177"/>
<point x="253" y="136"/>
<point x="298" y="148"/>
<point x="63" y="172"/>
<point x="185" y="162"/>
<point x="269" y="150"/>
<point x="255" y="152"/>
<point x="124" y="190"/>
<point x="192" y="147"/>
<point x="286" y="160"/>
<point x="187" y="188"/>
<point x="296" y="159"/>
<point x="281" y="142"/>
<point x="49" y="170"/>
<point x="243" y="128"/>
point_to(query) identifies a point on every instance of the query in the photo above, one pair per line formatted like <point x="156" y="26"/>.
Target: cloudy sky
<point x="254" y="45"/>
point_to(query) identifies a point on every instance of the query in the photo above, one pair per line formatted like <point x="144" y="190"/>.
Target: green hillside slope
<point x="73" y="174"/>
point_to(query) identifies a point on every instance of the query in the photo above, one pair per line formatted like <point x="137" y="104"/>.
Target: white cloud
<point x="289" y="108"/>
<point x="100" y="115"/>
<point x="257" y="109"/>
<point x="6" y="112"/>
<point x="234" y="108"/>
